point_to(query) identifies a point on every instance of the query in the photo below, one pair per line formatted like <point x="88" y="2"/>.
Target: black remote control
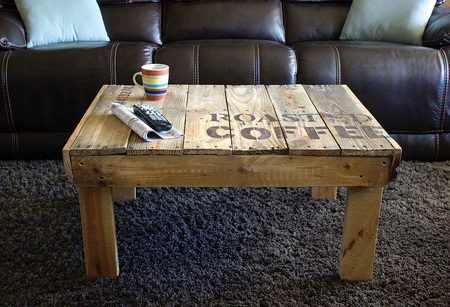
<point x="152" y="117"/>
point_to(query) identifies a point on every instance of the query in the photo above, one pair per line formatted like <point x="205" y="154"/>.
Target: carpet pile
<point x="222" y="246"/>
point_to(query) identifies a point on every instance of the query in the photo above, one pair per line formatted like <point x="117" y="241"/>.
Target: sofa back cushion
<point x="313" y="20"/>
<point x="191" y="20"/>
<point x="139" y="22"/>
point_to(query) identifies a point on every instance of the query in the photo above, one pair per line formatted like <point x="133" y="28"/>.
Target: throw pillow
<point x="56" y="21"/>
<point x="388" y="20"/>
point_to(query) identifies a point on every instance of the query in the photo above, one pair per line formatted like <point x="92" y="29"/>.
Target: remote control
<point x="152" y="117"/>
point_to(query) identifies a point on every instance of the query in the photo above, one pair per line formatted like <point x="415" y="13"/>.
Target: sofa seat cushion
<point x="59" y="82"/>
<point x="405" y="87"/>
<point x="229" y="62"/>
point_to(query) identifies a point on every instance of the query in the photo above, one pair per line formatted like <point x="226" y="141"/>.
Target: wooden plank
<point x="173" y="107"/>
<point x="253" y="121"/>
<point x="99" y="232"/>
<point x="66" y="150"/>
<point x="104" y="133"/>
<point x="207" y="121"/>
<point x="304" y="130"/>
<point x="230" y="171"/>
<point x="362" y="211"/>
<point x="354" y="128"/>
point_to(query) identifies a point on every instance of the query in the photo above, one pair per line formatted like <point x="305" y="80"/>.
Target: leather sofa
<point x="46" y="90"/>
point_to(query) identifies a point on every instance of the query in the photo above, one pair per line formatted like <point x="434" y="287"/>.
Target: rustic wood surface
<point x="353" y="127"/>
<point x="303" y="128"/>
<point x="254" y="123"/>
<point x="207" y="128"/>
<point x="362" y="211"/>
<point x="237" y="136"/>
<point x="239" y="120"/>
<point x="99" y="231"/>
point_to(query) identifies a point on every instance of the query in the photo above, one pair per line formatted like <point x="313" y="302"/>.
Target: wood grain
<point x="104" y="133"/>
<point x="303" y="128"/>
<point x="207" y="121"/>
<point x="359" y="235"/>
<point x="99" y="232"/>
<point x="353" y="127"/>
<point x="253" y="121"/>
<point x="230" y="171"/>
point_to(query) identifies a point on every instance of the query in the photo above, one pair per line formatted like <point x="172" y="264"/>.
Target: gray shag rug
<point x="222" y="246"/>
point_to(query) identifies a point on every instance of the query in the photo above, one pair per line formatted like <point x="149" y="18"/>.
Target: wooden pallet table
<point x="235" y="136"/>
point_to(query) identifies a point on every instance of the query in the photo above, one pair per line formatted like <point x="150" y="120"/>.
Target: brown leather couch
<point x="45" y="90"/>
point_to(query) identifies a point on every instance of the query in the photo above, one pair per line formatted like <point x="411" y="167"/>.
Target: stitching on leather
<point x="198" y="65"/>
<point x="115" y="63"/>
<point x="254" y="65"/>
<point x="436" y="146"/>
<point x="6" y="96"/>
<point x="337" y="63"/>
<point x="110" y="64"/>
<point x="335" y="70"/>
<point x="4" y="90"/>
<point x="193" y="65"/>
<point x="444" y="90"/>
<point x="257" y="64"/>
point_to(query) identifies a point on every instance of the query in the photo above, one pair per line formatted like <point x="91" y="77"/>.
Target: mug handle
<point x="134" y="79"/>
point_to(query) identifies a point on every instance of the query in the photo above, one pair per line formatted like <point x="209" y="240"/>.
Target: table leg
<point x="99" y="232"/>
<point x="359" y="235"/>
<point x="323" y="192"/>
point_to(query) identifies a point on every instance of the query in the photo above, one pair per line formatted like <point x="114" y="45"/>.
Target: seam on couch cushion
<point x="193" y="65"/>
<point x="256" y="65"/>
<point x="113" y="63"/>
<point x="435" y="147"/>
<point x="196" y="65"/>
<point x="6" y="97"/>
<point x="444" y="90"/>
<point x="337" y="61"/>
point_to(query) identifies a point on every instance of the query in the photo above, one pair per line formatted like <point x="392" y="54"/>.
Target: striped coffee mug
<point x="155" y="79"/>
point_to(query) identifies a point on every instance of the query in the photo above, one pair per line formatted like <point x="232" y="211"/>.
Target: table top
<point x="318" y="120"/>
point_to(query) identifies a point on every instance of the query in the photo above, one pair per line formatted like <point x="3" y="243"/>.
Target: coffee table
<point x="235" y="136"/>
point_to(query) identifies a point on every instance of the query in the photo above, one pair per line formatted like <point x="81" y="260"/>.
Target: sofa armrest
<point x="437" y="32"/>
<point x="12" y="30"/>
